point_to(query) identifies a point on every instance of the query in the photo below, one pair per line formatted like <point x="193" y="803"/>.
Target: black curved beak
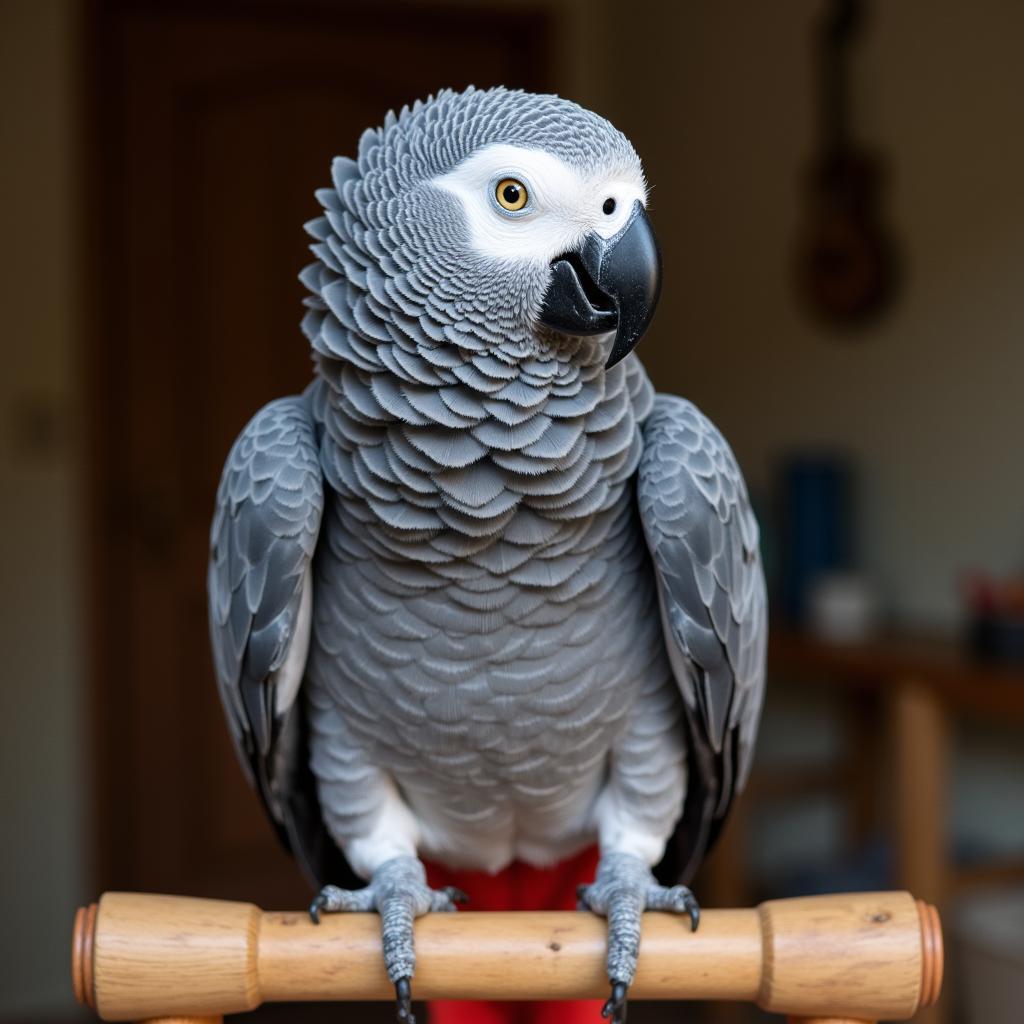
<point x="608" y="284"/>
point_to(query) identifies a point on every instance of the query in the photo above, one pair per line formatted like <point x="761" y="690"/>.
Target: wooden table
<point x="923" y="683"/>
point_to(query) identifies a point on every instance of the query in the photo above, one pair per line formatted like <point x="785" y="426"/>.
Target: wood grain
<point x="862" y="956"/>
<point x="167" y="956"/>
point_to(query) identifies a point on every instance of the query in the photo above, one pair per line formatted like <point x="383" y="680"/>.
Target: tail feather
<point x="519" y="887"/>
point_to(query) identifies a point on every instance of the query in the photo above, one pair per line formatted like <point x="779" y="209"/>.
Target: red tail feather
<point x="518" y="887"/>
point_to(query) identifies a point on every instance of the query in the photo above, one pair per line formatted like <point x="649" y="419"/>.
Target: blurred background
<point x="837" y="188"/>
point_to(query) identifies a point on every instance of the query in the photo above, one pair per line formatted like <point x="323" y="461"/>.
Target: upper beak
<point x="608" y="284"/>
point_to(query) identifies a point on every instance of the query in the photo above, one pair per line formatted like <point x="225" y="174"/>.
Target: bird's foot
<point x="398" y="892"/>
<point x="623" y="889"/>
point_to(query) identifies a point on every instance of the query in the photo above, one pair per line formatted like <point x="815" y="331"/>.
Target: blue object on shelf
<point x="816" y="524"/>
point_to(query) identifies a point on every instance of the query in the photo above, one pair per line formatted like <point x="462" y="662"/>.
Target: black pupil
<point x="510" y="193"/>
<point x="609" y="206"/>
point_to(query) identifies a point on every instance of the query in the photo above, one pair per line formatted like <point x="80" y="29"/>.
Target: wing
<point x="703" y="540"/>
<point x="259" y="585"/>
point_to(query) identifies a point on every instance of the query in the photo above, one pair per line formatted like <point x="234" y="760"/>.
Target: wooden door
<point x="214" y="123"/>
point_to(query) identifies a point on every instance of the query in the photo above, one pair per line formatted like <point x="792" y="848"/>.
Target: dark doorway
<point x="214" y="123"/>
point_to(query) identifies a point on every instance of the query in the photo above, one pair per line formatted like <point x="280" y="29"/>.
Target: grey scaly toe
<point x="399" y="893"/>
<point x="623" y="889"/>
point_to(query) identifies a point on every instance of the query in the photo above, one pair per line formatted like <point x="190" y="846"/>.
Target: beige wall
<point x="717" y="97"/>
<point x="44" y="851"/>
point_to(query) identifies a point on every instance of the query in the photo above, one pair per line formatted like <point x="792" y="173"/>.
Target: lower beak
<point x="608" y="284"/>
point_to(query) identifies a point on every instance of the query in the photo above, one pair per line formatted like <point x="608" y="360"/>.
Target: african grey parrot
<point x="478" y="594"/>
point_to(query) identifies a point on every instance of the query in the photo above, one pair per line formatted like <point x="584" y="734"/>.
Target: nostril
<point x="609" y="206"/>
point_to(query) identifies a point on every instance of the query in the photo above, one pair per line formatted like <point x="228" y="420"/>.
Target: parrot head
<point x="517" y="217"/>
<point x="570" y="220"/>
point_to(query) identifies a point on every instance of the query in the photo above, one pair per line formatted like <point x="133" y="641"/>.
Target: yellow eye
<point x="511" y="194"/>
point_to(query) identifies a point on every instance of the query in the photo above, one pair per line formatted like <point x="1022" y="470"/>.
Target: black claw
<point x="315" y="907"/>
<point x="694" y="911"/>
<point x="455" y="895"/>
<point x="403" y="995"/>
<point x="615" y="1007"/>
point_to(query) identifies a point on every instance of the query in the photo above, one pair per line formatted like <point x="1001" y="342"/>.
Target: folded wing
<point x="259" y="584"/>
<point x="703" y="541"/>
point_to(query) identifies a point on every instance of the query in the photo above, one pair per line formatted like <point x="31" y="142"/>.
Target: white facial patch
<point x="563" y="205"/>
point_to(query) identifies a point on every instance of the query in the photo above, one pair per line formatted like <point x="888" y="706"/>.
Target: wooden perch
<point x="863" y="956"/>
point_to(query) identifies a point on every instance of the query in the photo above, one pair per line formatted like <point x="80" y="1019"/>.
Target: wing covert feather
<point x="264" y="533"/>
